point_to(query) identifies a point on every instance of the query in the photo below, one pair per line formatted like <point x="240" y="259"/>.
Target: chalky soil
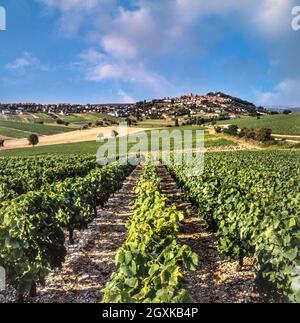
<point x="216" y="279"/>
<point x="90" y="263"/>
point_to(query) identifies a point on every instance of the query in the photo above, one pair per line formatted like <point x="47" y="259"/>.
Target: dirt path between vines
<point x="216" y="279"/>
<point x="90" y="263"/>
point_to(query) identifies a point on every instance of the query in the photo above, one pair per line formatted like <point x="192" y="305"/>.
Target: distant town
<point x="214" y="104"/>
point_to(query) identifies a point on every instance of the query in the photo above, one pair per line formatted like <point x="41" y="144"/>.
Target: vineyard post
<point x="71" y="238"/>
<point x="2" y="279"/>
<point x="33" y="290"/>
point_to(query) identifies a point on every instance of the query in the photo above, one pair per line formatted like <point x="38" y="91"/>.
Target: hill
<point x="280" y="124"/>
<point x="14" y="129"/>
<point x="213" y="103"/>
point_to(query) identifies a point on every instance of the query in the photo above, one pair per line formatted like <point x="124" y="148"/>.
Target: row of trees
<point x="262" y="134"/>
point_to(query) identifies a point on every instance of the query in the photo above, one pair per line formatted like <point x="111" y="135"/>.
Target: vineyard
<point x="252" y="202"/>
<point x="40" y="199"/>
<point x="141" y="244"/>
<point x="148" y="264"/>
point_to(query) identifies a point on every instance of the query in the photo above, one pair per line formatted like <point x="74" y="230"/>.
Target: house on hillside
<point x="6" y="112"/>
<point x="20" y="110"/>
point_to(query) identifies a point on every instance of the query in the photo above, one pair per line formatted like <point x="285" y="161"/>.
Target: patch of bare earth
<point x="70" y="137"/>
<point x="90" y="263"/>
<point x="216" y="279"/>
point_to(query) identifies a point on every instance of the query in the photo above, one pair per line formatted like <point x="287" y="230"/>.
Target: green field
<point x="91" y="147"/>
<point x="15" y="129"/>
<point x="13" y="133"/>
<point x="28" y="117"/>
<point x="154" y="123"/>
<point x="19" y="126"/>
<point x="280" y="124"/>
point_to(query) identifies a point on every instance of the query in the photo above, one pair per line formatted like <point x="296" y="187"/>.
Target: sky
<point x="99" y="51"/>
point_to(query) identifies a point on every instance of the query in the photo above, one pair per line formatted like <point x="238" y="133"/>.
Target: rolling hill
<point x="280" y="124"/>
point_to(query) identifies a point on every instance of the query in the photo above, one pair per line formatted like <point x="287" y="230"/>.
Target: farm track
<point x="90" y="263"/>
<point x="215" y="280"/>
<point x="75" y="136"/>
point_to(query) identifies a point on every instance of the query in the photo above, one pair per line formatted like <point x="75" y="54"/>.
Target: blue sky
<point x="83" y="51"/>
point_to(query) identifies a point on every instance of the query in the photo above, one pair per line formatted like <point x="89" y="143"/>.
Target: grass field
<point x="280" y="124"/>
<point x="28" y="117"/>
<point x="154" y="123"/>
<point x="91" y="147"/>
<point x="40" y="116"/>
<point x="13" y="133"/>
<point x="19" y="126"/>
<point x="40" y="129"/>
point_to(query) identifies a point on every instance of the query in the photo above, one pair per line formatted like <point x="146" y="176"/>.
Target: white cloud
<point x="92" y="56"/>
<point x="284" y="93"/>
<point x="159" y="22"/>
<point x="91" y="15"/>
<point x="274" y="17"/>
<point x="125" y="98"/>
<point x="68" y="5"/>
<point x="134" y="73"/>
<point x="26" y="62"/>
<point x="151" y="27"/>
<point x="105" y="71"/>
<point x="130" y="39"/>
<point x="119" y="46"/>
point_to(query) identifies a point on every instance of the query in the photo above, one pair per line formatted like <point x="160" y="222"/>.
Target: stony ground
<point x="216" y="279"/>
<point x="88" y="268"/>
<point x="90" y="262"/>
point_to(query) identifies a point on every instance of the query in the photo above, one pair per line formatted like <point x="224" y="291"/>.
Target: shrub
<point x="264" y="135"/>
<point x="232" y="130"/>
<point x="59" y="121"/>
<point x="218" y="129"/>
<point x="287" y="112"/>
<point x="33" y="139"/>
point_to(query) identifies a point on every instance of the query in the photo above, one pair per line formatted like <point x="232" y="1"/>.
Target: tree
<point x="33" y="139"/>
<point x="129" y="122"/>
<point x="232" y="130"/>
<point x="287" y="111"/>
<point x="264" y="134"/>
<point x="218" y="129"/>
<point x="176" y="123"/>
<point x="99" y="123"/>
<point x="200" y="121"/>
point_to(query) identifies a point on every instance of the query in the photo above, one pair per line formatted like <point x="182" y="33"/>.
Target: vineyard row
<point x="32" y="241"/>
